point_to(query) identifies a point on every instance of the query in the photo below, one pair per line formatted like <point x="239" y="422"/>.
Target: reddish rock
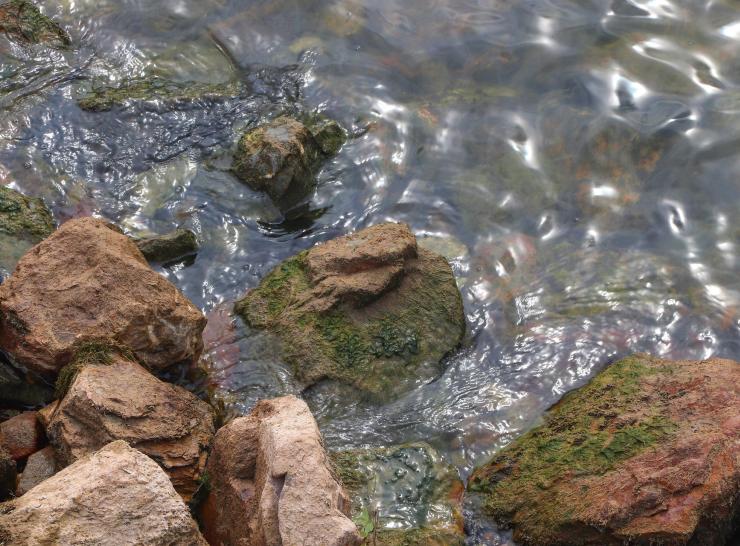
<point x="89" y="282"/>
<point x="22" y="435"/>
<point x="116" y="496"/>
<point x="120" y="400"/>
<point x="40" y="466"/>
<point x="271" y="482"/>
<point x="647" y="453"/>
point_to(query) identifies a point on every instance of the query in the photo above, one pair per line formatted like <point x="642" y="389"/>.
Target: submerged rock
<point x="22" y="435"/>
<point x="24" y="221"/>
<point x="270" y="482"/>
<point x="646" y="453"/>
<point x="403" y="495"/>
<point x="117" y="495"/>
<point x="112" y="398"/>
<point x="23" y="22"/>
<point x="369" y="309"/>
<point x="39" y="467"/>
<point x="280" y="157"/>
<point x="88" y="282"/>
<point x="170" y="247"/>
<point x="17" y="391"/>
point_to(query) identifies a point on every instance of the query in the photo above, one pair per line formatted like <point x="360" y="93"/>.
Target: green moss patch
<point x="23" y="22"/>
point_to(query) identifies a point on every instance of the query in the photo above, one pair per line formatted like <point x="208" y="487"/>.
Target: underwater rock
<point x="270" y="482"/>
<point x="23" y="22"/>
<point x="39" y="467"/>
<point x="22" y="435"/>
<point x="170" y="247"/>
<point x="112" y="398"/>
<point x="88" y="282"/>
<point x="8" y="474"/>
<point x="369" y="309"/>
<point x="24" y="221"/>
<point x="647" y="452"/>
<point x="117" y="496"/>
<point x="170" y="93"/>
<point x="281" y="157"/>
<point x="16" y="391"/>
<point x="403" y="495"/>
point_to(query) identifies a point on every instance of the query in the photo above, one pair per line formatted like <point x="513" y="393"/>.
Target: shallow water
<point x="575" y="160"/>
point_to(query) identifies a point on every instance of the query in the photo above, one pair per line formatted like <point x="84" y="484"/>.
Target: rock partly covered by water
<point x="24" y="221"/>
<point x="281" y="157"/>
<point x="23" y="22"/>
<point x="403" y="495"/>
<point x="270" y="482"/>
<point x="169" y="247"/>
<point x="89" y="282"/>
<point x="369" y="309"/>
<point x="647" y="453"/>
<point x="112" y="398"/>
<point x="117" y="495"/>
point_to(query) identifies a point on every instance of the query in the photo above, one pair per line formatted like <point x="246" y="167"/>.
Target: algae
<point x="23" y="22"/>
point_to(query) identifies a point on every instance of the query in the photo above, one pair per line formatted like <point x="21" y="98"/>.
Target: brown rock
<point x="40" y="466"/>
<point x="22" y="435"/>
<point x="88" y="282"/>
<point x="120" y="400"/>
<point x="271" y="483"/>
<point x="647" y="453"/>
<point x="116" y="496"/>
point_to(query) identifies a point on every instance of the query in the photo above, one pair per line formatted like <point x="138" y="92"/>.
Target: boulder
<point x="170" y="247"/>
<point x="280" y="158"/>
<point x="271" y="483"/>
<point x="116" y="496"/>
<point x="22" y="435"/>
<point x="23" y="22"/>
<point x="40" y="466"/>
<point x="8" y="475"/>
<point x="88" y="282"/>
<point x="403" y="495"/>
<point x="24" y="221"/>
<point x="646" y="453"/>
<point x="112" y="398"/>
<point x="370" y="309"/>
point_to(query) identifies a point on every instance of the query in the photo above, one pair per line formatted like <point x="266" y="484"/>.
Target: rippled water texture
<point x="576" y="161"/>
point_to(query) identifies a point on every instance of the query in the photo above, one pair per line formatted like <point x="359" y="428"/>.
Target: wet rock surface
<point x="88" y="282"/>
<point x="115" y="496"/>
<point x="22" y="435"/>
<point x="280" y="158"/>
<point x="8" y="474"/>
<point x="271" y="483"/>
<point x="370" y="309"/>
<point x="24" y="221"/>
<point x="40" y="466"/>
<point x="17" y="390"/>
<point x="646" y="453"/>
<point x="174" y="246"/>
<point x="22" y="21"/>
<point x="112" y="398"/>
<point x="403" y="495"/>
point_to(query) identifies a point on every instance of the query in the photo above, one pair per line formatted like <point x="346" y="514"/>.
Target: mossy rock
<point x="23" y="22"/>
<point x="402" y="495"/>
<point x="379" y="342"/>
<point x="171" y="93"/>
<point x="24" y="221"/>
<point x="170" y="247"/>
<point x="601" y="469"/>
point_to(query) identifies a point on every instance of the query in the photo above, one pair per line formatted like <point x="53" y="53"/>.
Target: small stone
<point x="171" y="247"/>
<point x="329" y="135"/>
<point x="40" y="466"/>
<point x="22" y="435"/>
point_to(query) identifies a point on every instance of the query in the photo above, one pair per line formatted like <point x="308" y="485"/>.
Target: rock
<point x="369" y="309"/>
<point x="8" y="474"/>
<point x="170" y="247"/>
<point x="24" y="221"/>
<point x="87" y="282"/>
<point x="270" y="482"/>
<point x="328" y="134"/>
<point x="115" y="496"/>
<point x="407" y="494"/>
<point x="112" y="398"/>
<point x="279" y="158"/>
<point x="23" y="22"/>
<point x="22" y="435"/>
<point x="170" y="94"/>
<point x="646" y="453"/>
<point x="40" y="466"/>
<point x="18" y="391"/>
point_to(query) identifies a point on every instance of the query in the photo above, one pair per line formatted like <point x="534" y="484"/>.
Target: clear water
<point x="577" y="161"/>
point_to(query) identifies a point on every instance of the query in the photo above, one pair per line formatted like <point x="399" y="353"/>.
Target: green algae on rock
<point x="172" y="93"/>
<point x="402" y="495"/>
<point x="646" y="451"/>
<point x="23" y="22"/>
<point x="370" y="309"/>
<point x="24" y="221"/>
<point x="169" y="247"/>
